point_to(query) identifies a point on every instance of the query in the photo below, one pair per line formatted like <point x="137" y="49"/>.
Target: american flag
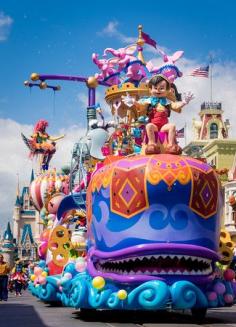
<point x="201" y="72"/>
<point x="180" y="133"/>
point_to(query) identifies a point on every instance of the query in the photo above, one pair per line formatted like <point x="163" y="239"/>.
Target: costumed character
<point x="18" y="277"/>
<point x="157" y="107"/>
<point x="42" y="143"/>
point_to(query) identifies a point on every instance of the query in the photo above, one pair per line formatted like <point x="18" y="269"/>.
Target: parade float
<point x="135" y="225"/>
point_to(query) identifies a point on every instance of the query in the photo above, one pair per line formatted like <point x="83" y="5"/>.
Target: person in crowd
<point x="18" y="277"/>
<point x="4" y="271"/>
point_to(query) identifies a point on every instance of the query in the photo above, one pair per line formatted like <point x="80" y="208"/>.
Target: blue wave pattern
<point x="151" y="295"/>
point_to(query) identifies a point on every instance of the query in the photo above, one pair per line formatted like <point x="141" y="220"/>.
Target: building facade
<point x="26" y="226"/>
<point x="211" y="138"/>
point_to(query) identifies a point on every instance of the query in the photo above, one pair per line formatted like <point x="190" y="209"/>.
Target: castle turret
<point x="8" y="246"/>
<point x="16" y="217"/>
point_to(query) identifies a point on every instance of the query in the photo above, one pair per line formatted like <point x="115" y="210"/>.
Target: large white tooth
<point x="209" y="270"/>
<point x="139" y="272"/>
<point x="170" y="272"/>
<point x="178" y="272"/>
<point x="185" y="272"/>
<point x="132" y="272"/>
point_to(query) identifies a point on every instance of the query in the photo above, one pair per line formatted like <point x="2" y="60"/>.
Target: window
<point x="213" y="131"/>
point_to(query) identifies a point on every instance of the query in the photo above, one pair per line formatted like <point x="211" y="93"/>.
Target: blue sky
<point x="58" y="37"/>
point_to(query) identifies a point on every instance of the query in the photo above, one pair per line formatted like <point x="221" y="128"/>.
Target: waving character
<point x="42" y="143"/>
<point x="157" y="108"/>
<point x="126" y="59"/>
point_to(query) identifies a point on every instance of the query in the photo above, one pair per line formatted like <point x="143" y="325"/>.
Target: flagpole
<point x="211" y="68"/>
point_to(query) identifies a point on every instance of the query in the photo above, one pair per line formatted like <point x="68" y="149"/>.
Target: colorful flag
<point x="201" y="71"/>
<point x="180" y="133"/>
<point x="148" y="40"/>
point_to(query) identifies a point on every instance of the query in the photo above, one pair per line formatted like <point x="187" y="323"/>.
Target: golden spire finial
<point x="140" y="42"/>
<point x="18" y="186"/>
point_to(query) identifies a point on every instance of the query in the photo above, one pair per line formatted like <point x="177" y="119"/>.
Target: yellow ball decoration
<point x="44" y="274"/>
<point x="122" y="294"/>
<point x="92" y="82"/>
<point x="34" y="77"/>
<point x="98" y="282"/>
<point x="32" y="277"/>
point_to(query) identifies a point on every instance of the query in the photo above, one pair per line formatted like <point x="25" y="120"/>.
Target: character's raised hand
<point x="128" y="100"/>
<point x="188" y="97"/>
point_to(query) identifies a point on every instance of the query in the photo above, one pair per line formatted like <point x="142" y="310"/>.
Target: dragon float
<point x="140" y="226"/>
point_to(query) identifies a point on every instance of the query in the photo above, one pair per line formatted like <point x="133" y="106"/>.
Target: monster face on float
<point x="154" y="217"/>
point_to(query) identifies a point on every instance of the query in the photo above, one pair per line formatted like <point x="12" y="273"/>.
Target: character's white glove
<point x="128" y="100"/>
<point x="188" y="97"/>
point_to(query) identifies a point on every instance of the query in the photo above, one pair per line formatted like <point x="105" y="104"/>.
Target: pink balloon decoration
<point x="67" y="275"/>
<point x="80" y="266"/>
<point x="228" y="298"/>
<point x="38" y="271"/>
<point x="211" y="296"/>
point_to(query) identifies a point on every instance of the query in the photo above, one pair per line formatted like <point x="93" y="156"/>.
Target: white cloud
<point x="5" y="25"/>
<point x="111" y="30"/>
<point x="14" y="159"/>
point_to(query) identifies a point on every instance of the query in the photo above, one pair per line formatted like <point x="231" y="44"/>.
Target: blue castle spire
<point x="8" y="234"/>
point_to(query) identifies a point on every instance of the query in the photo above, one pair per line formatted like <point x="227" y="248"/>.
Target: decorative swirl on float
<point x="149" y="295"/>
<point x="186" y="295"/>
<point x="97" y="298"/>
<point x="78" y="293"/>
<point x="114" y="302"/>
<point x="48" y="293"/>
